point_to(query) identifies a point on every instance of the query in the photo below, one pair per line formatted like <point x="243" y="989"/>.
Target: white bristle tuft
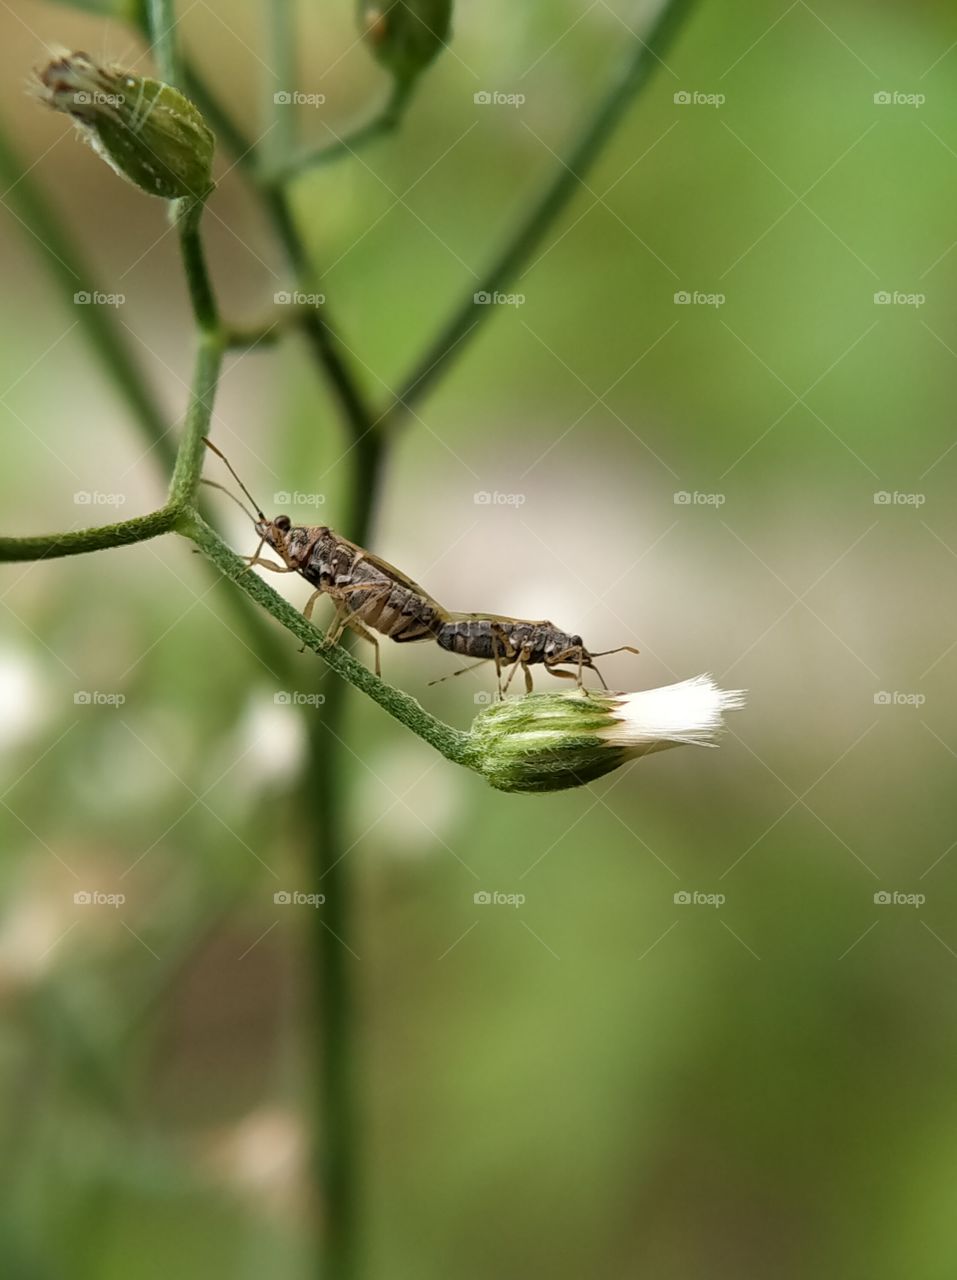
<point x="690" y="712"/>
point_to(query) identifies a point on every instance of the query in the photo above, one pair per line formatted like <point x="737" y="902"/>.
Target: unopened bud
<point x="405" y="35"/>
<point x="551" y="741"/>
<point x="146" y="130"/>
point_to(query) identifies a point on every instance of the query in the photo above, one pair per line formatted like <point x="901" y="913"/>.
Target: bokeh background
<point x="604" y="1080"/>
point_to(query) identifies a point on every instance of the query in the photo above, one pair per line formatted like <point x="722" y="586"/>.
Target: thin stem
<point x="75" y="542"/>
<point x="189" y="461"/>
<point x="162" y="32"/>
<point x="282" y="58"/>
<point x="201" y="295"/>
<point x="466" y="319"/>
<point x="71" y="274"/>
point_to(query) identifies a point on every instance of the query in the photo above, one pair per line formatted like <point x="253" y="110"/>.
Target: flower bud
<point x="405" y="35"/>
<point x="144" y="129"/>
<point x="550" y="741"/>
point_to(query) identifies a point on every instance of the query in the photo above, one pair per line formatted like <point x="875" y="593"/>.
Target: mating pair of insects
<point x="372" y="595"/>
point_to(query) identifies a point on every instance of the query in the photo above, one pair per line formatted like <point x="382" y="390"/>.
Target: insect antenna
<point x="461" y="671"/>
<point x="213" y="484"/>
<point x="232" y="471"/>
<point x="622" y="648"/>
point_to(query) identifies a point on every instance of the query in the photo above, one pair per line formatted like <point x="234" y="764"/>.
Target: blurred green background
<point x="603" y="1081"/>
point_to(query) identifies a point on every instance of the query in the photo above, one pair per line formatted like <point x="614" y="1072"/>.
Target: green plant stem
<point x="77" y="542"/>
<point x="189" y="461"/>
<point x="466" y="319"/>
<point x="71" y="274"/>
<point x="162" y="32"/>
<point x="201" y="295"/>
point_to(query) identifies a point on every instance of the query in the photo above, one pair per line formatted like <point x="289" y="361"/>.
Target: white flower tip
<point x="689" y="712"/>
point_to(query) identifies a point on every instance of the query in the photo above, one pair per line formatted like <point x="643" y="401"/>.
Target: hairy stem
<point x="77" y="542"/>
<point x="466" y="319"/>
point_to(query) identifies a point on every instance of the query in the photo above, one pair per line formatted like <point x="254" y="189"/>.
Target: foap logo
<point x="98" y="99"/>
<point x="483" y="698"/>
<point x="94" y="298"/>
<point x="493" y="898"/>
<point x="296" y="298"/>
<point x="493" y="98"/>
<point x="883" y="498"/>
<point x="695" y="98"/>
<point x="689" y="298"/>
<point x="295" y="898"/>
<point x="496" y="299"/>
<point x="894" y="898"/>
<point x="94" y="898"/>
<point x="95" y="698"/>
<point x="898" y="698"/>
<point x="295" y="98"/>
<point x="286" y="499"/>
<point x="897" y="298"/>
<point x="93" y="498"/>
<point x="897" y="98"/>
<point x="297" y="698"/>
<point x="685" y="499"/>
<point x="694" y="898"/>
<point x="484" y="498"/>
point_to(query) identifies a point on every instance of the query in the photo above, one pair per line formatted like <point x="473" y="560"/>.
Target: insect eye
<point x="283" y="523"/>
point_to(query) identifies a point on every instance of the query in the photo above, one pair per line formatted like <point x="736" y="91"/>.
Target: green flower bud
<point x="405" y="35"/>
<point x="551" y="741"/>
<point x="144" y="129"/>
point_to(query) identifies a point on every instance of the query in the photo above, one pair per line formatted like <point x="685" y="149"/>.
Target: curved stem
<point x="201" y="295"/>
<point x="465" y="320"/>
<point x="77" y="542"/>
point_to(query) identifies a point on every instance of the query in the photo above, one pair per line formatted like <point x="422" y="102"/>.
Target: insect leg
<point x="521" y="660"/>
<point x="366" y="634"/>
